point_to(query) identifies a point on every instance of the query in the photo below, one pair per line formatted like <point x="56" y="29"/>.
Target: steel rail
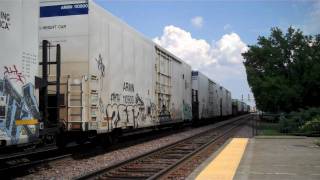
<point x="166" y="170"/>
<point x="122" y="163"/>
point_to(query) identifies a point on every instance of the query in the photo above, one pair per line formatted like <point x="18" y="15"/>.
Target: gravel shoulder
<point x="69" y="168"/>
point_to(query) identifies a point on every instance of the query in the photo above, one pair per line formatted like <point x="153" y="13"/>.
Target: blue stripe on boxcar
<point x="64" y="10"/>
<point x="194" y="73"/>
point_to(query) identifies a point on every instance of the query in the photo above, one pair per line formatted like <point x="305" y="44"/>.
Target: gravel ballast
<point x="69" y="168"/>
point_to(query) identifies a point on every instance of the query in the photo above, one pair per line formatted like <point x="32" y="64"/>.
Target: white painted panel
<point x="186" y="85"/>
<point x="18" y="67"/>
<point x="177" y="91"/>
<point x="126" y="94"/>
<point x="70" y="31"/>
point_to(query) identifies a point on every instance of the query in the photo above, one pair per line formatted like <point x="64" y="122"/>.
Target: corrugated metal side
<point x="224" y="101"/>
<point x="187" y="99"/>
<point x="229" y="103"/>
<point x="18" y="68"/>
<point x="210" y="96"/>
<point x="124" y="63"/>
<point x="181" y="91"/>
<point x="216" y="100"/>
<point x="203" y="96"/>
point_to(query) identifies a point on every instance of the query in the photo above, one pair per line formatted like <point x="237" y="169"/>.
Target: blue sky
<point x="245" y="19"/>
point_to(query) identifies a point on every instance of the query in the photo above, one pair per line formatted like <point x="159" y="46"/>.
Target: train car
<point x="209" y="99"/>
<point x="78" y="72"/>
<point x="19" y="112"/>
<point x="234" y="107"/>
<point x="239" y="107"/>
<point x="112" y="78"/>
<point x="229" y="103"/>
<point x="226" y="102"/>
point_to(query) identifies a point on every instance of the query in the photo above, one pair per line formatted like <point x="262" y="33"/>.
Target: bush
<point x="313" y="126"/>
<point x="302" y="121"/>
<point x="288" y="125"/>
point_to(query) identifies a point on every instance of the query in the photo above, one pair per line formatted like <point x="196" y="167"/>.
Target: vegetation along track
<point x="157" y="163"/>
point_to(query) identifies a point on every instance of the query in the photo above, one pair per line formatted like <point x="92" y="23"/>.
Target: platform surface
<point x="280" y="158"/>
<point x="263" y="158"/>
<point x="222" y="164"/>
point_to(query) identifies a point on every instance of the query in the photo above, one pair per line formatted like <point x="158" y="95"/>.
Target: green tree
<point x="283" y="70"/>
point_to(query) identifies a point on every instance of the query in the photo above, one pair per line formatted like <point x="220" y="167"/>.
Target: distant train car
<point x="112" y="78"/>
<point x="226" y="102"/>
<point x="19" y="112"/>
<point x="209" y="99"/>
<point x="234" y="107"/>
<point x="239" y="107"/>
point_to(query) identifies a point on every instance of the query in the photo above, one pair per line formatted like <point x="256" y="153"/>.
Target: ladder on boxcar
<point x="49" y="92"/>
<point x="75" y="106"/>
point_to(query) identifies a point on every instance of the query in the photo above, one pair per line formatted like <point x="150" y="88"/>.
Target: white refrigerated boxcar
<point x="210" y="100"/>
<point x="226" y="102"/>
<point x="112" y="76"/>
<point x="19" y="113"/>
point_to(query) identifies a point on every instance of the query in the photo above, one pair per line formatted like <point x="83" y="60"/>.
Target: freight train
<point x="71" y="70"/>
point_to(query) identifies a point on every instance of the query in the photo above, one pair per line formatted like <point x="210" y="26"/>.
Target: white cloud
<point x="198" y="52"/>
<point x="221" y="60"/>
<point x="197" y="21"/>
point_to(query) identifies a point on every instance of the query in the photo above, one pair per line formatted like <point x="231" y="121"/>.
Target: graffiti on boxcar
<point x="4" y="20"/>
<point x="17" y="107"/>
<point x="115" y="97"/>
<point x="101" y="66"/>
<point x="164" y="114"/>
<point x="12" y="72"/>
<point x="128" y="110"/>
<point x="139" y="100"/>
<point x="129" y="87"/>
<point x="187" y="111"/>
<point x="128" y="99"/>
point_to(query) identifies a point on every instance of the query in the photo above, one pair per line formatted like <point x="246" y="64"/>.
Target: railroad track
<point x="19" y="163"/>
<point x="10" y="164"/>
<point x="157" y="163"/>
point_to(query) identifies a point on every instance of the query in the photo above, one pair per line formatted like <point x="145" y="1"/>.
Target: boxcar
<point x="19" y="113"/>
<point x="209" y="99"/>
<point x="226" y="102"/>
<point x="112" y="77"/>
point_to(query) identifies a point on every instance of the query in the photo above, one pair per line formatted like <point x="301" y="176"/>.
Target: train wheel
<point x="115" y="136"/>
<point x="105" y="140"/>
<point x="61" y="140"/>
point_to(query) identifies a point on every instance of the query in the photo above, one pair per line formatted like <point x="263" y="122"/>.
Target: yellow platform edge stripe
<point x="225" y="164"/>
<point x="27" y="122"/>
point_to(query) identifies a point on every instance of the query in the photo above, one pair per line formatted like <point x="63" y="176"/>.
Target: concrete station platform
<point x="276" y="158"/>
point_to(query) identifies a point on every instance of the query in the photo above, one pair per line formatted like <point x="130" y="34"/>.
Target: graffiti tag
<point x="101" y="66"/>
<point x="128" y="87"/>
<point x="4" y="20"/>
<point x="13" y="73"/>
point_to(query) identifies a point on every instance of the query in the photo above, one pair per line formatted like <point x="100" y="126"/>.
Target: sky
<point x="211" y="35"/>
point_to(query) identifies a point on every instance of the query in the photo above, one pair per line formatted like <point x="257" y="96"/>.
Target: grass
<point x="268" y="129"/>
